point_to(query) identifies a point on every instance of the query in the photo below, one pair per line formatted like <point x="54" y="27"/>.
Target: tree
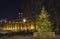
<point x="43" y="22"/>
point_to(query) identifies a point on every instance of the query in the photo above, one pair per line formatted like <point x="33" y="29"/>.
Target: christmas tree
<point x="43" y="22"/>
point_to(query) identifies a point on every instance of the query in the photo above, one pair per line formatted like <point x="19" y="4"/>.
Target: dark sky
<point x="10" y="8"/>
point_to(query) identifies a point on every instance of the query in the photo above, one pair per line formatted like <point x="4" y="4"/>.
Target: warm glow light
<point x="32" y="27"/>
<point x="24" y="20"/>
<point x="18" y="26"/>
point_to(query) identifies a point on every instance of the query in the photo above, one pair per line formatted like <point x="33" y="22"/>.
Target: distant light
<point x="5" y="21"/>
<point x="19" y="13"/>
<point x="24" y="20"/>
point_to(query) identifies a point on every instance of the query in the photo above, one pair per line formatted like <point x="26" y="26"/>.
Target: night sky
<point x="8" y="8"/>
<point x="11" y="8"/>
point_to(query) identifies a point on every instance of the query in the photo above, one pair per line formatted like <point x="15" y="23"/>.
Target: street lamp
<point x="24" y="20"/>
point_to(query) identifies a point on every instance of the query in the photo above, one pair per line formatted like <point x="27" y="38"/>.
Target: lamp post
<point x="23" y="21"/>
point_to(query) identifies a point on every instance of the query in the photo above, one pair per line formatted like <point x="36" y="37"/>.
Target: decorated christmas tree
<point x="43" y="22"/>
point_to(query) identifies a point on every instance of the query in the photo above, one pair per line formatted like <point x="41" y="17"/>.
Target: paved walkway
<point x="26" y="37"/>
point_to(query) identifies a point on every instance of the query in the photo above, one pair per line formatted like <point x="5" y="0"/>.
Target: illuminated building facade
<point x="19" y="24"/>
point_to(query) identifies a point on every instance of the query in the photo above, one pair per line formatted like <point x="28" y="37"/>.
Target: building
<point x="19" y="24"/>
<point x="2" y="21"/>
